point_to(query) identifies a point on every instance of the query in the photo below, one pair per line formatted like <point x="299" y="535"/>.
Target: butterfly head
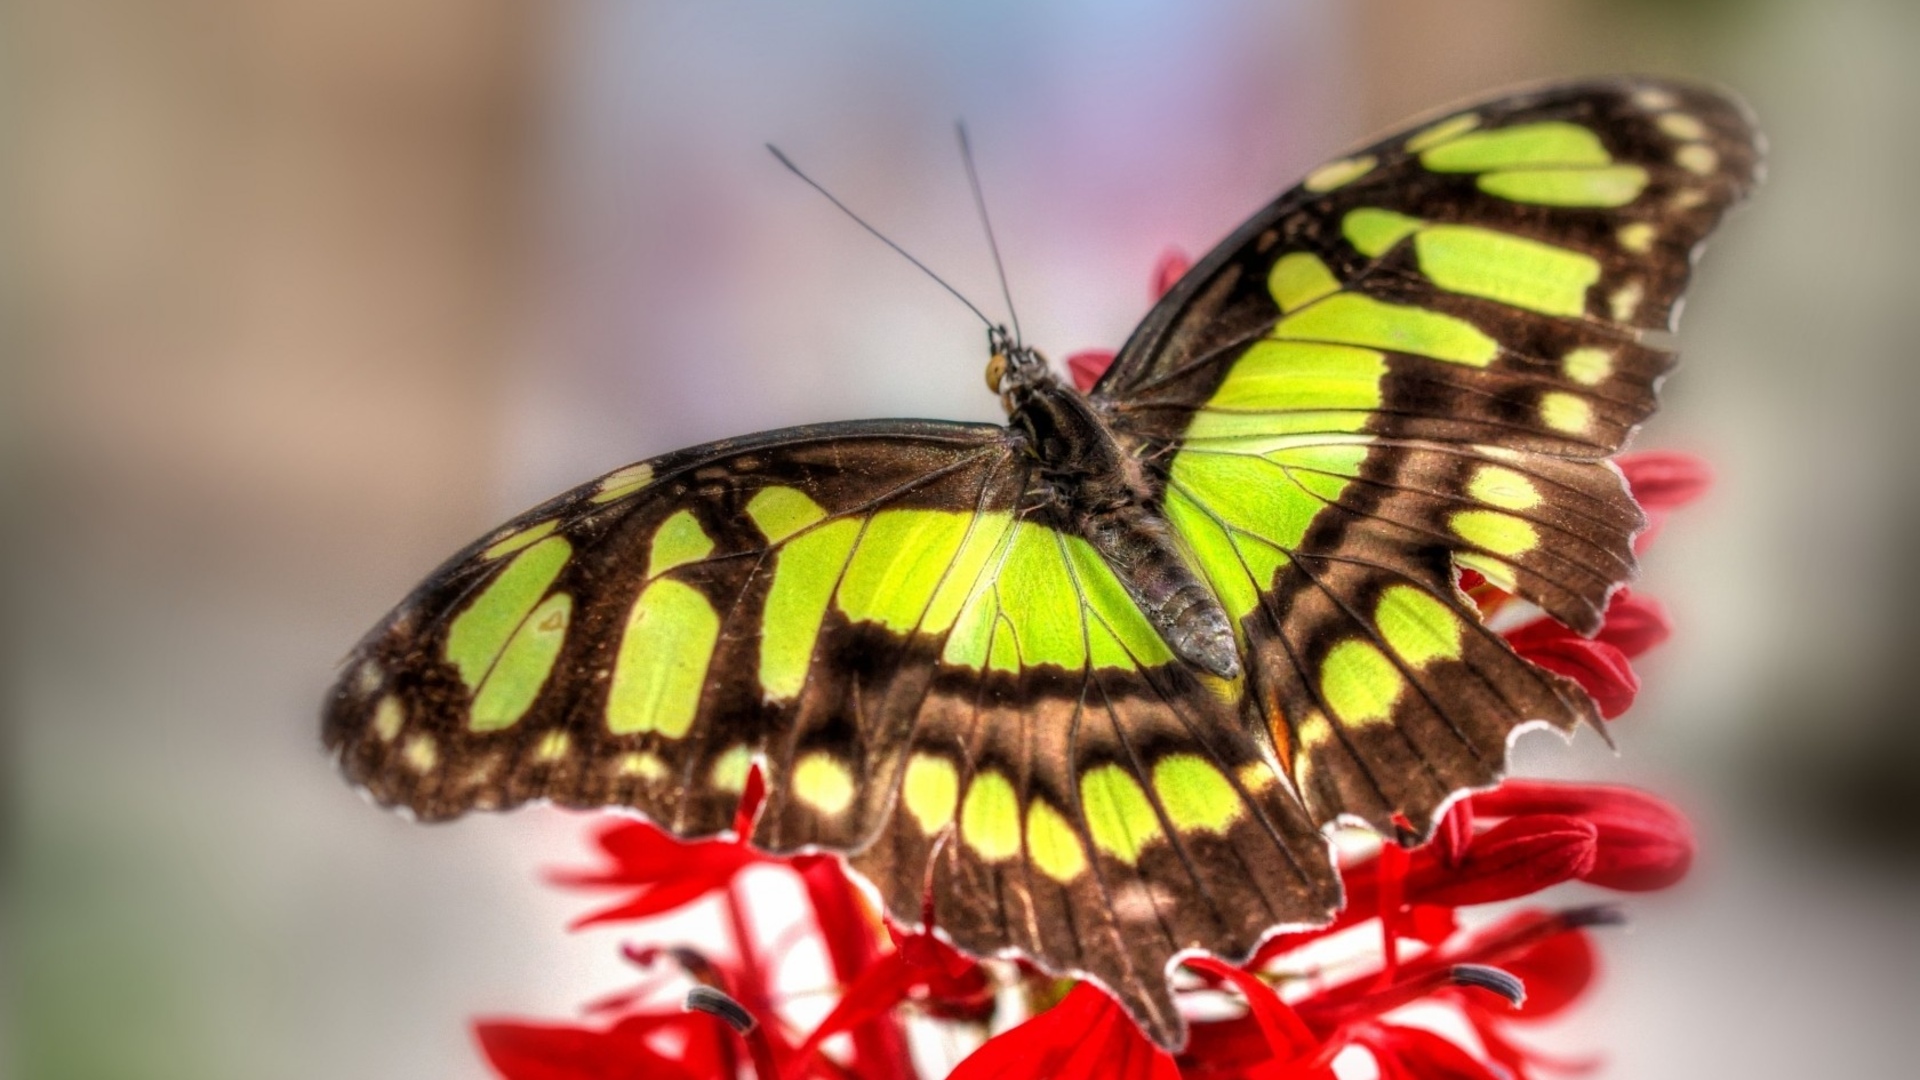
<point x="1013" y="367"/>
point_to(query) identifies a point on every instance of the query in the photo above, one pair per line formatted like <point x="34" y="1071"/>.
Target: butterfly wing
<point x="1417" y="361"/>
<point x="934" y="681"/>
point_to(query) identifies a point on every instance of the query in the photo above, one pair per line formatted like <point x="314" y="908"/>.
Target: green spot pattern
<point x="1194" y="794"/>
<point x="509" y="690"/>
<point x="1373" y="231"/>
<point x="1050" y="599"/>
<point x="1299" y="278"/>
<point x="805" y="573"/>
<point x="990" y="817"/>
<point x="1418" y="628"/>
<point x="663" y="659"/>
<point x="678" y="541"/>
<point x="1352" y="319"/>
<point x="479" y="633"/>
<point x="1552" y="142"/>
<point x="1602" y="186"/>
<point x="1289" y="387"/>
<point x="1120" y="817"/>
<point x="1359" y="682"/>
<point x="1510" y="269"/>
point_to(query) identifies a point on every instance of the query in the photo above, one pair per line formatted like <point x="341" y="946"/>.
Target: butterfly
<point x="1090" y="687"/>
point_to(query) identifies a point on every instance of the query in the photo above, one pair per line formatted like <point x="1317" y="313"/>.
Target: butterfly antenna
<point x="980" y="200"/>
<point x="860" y="221"/>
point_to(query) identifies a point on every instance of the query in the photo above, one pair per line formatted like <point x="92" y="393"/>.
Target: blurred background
<point x="300" y="296"/>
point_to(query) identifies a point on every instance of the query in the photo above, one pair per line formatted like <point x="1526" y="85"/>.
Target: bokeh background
<point x="299" y="296"/>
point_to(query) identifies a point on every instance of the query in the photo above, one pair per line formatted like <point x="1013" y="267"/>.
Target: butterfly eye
<point x="996" y="370"/>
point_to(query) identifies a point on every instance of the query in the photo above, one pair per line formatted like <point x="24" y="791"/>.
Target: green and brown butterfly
<point x="1094" y="684"/>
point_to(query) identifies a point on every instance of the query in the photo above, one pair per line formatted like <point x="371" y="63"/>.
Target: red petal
<point x="1661" y="482"/>
<point x="1173" y="266"/>
<point x="1514" y="858"/>
<point x="1522" y="796"/>
<point x="878" y="989"/>
<point x="1642" y="843"/>
<point x="955" y="986"/>
<point x="1507" y="861"/>
<point x="929" y="953"/>
<point x="641" y="854"/>
<point x="1086" y="1035"/>
<point x="1516" y="1059"/>
<point x="1633" y="861"/>
<point x="557" y="1052"/>
<point x="1421" y="921"/>
<point x="748" y="807"/>
<point x="1634" y="623"/>
<point x="1429" y="923"/>
<point x="1232" y="1049"/>
<point x="1601" y="669"/>
<point x="1511" y="1057"/>
<point x="1663" y="479"/>
<point x="1236" y="1050"/>
<point x="1450" y="840"/>
<point x="1087" y="367"/>
<point x="644" y="855"/>
<point x="1285" y="1032"/>
<point x="847" y="926"/>
<point x="1389" y="1064"/>
<point x="1424" y="1055"/>
<point x="655" y="901"/>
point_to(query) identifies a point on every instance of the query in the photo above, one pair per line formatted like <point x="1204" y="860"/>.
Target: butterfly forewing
<point x="639" y="639"/>
<point x="1414" y="363"/>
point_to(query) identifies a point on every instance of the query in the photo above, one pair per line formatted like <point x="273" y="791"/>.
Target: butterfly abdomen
<point x="1137" y="543"/>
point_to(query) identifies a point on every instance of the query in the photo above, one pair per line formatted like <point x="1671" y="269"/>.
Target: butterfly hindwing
<point x="1413" y="363"/>
<point x="1100" y="816"/>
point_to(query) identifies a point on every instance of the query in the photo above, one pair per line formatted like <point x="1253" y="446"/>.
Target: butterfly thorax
<point x="1088" y="484"/>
